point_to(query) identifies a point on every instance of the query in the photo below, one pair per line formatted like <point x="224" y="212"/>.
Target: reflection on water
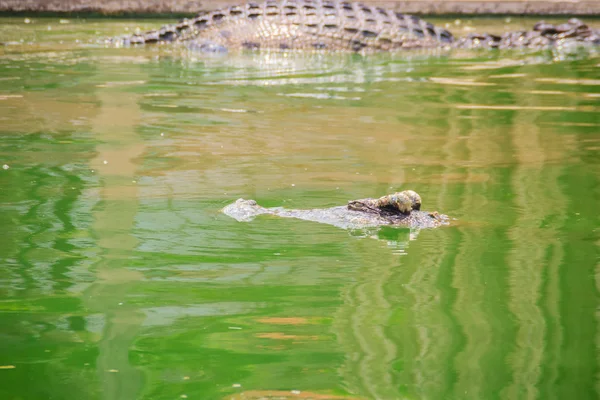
<point x="121" y="279"/>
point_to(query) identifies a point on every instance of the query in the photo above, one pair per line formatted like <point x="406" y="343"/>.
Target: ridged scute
<point x="303" y="24"/>
<point x="337" y="25"/>
<point x="542" y="35"/>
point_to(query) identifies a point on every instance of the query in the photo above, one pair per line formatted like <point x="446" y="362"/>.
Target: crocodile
<point x="334" y="25"/>
<point x="402" y="209"/>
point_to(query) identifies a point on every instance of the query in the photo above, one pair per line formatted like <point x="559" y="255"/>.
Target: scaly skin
<point x="332" y="25"/>
<point x="301" y="24"/>
<point x="399" y="209"/>
<point x="543" y="35"/>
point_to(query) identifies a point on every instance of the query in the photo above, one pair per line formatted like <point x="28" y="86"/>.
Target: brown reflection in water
<point x="538" y="199"/>
<point x="284" y="336"/>
<point x="589" y="82"/>
<point x="360" y="326"/>
<point x="480" y="149"/>
<point x="428" y="323"/>
<point x="286" y="395"/>
<point x="294" y="145"/>
<point x="536" y="254"/>
<point x="225" y="157"/>
<point x="284" y="320"/>
<point x="33" y="112"/>
<point x="394" y="324"/>
<point x="513" y="107"/>
<point x="459" y="82"/>
<point x="373" y="350"/>
<point x="525" y="342"/>
<point x="464" y="153"/>
<point x="115" y="126"/>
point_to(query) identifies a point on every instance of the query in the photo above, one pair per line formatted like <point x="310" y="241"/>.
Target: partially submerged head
<point x="244" y="210"/>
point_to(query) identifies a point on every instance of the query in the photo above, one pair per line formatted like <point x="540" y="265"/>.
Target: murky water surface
<point x="120" y="278"/>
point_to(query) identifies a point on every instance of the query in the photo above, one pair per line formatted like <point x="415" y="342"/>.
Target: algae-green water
<point x="121" y="279"/>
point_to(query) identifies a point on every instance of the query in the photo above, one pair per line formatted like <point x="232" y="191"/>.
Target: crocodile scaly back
<point x="302" y="24"/>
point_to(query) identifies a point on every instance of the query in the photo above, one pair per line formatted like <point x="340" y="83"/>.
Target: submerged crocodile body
<point x="399" y="209"/>
<point x="333" y="25"/>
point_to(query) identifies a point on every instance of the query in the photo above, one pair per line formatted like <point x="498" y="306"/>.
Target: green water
<point x="120" y="278"/>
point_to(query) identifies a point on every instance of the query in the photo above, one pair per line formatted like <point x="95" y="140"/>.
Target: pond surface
<point x="121" y="279"/>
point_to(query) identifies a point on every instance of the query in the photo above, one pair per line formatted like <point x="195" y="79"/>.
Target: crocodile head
<point x="244" y="210"/>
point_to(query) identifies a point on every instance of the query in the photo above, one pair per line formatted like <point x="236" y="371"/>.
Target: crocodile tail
<point x="542" y="35"/>
<point x="421" y="28"/>
<point x="167" y="33"/>
<point x="443" y="35"/>
<point x="172" y="33"/>
<point x="188" y="27"/>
